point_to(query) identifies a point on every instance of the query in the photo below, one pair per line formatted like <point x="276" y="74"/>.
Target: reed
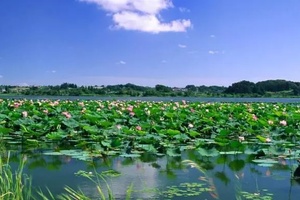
<point x="14" y="184"/>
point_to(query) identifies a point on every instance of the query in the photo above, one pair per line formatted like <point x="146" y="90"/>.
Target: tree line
<point x="265" y="88"/>
<point x="268" y="88"/>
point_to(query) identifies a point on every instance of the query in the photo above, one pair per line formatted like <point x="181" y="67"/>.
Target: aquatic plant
<point x="110" y="127"/>
<point x="14" y="184"/>
<point x="210" y="186"/>
<point x="86" y="130"/>
<point x="94" y="177"/>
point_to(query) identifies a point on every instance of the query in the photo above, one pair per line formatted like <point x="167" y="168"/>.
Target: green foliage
<point x="14" y="184"/>
<point x="135" y="127"/>
<point x="281" y="88"/>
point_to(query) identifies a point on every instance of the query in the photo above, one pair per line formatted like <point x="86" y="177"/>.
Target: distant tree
<point x="162" y="88"/>
<point x="275" y="85"/>
<point x="68" y="85"/>
<point x="150" y="92"/>
<point x="191" y="88"/>
<point x="242" y="87"/>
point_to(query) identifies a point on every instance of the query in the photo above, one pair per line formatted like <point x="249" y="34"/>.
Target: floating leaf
<point x="208" y="152"/>
<point x="266" y="161"/>
<point x="130" y="155"/>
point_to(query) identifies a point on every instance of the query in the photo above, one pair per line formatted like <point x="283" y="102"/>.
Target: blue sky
<point x="148" y="42"/>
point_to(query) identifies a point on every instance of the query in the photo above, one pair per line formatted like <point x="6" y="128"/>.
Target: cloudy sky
<point x="148" y="42"/>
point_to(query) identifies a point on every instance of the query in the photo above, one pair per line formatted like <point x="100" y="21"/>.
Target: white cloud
<point x="121" y="62"/>
<point x="52" y="71"/>
<point x="212" y="36"/>
<point x="147" y="23"/>
<point x="182" y="46"/>
<point x="213" y="52"/>
<point x="216" y="52"/>
<point x="163" y="61"/>
<point x="141" y="15"/>
<point x="182" y="9"/>
<point x="1" y="76"/>
<point x="145" y="6"/>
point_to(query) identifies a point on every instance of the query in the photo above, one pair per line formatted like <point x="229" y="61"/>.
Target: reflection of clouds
<point x="141" y="175"/>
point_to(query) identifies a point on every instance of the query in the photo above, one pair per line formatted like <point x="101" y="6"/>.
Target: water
<point x="162" y="177"/>
<point x="191" y="99"/>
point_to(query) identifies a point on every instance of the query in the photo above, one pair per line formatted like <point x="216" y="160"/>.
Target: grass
<point x="14" y="185"/>
<point x="18" y="186"/>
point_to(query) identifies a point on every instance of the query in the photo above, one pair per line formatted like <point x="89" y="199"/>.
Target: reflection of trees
<point x="296" y="175"/>
<point x="295" y="179"/>
<point x="236" y="165"/>
<point x="106" y="162"/>
<point x="172" y="163"/>
<point x="148" y="157"/>
<point x="203" y="161"/>
<point x="221" y="175"/>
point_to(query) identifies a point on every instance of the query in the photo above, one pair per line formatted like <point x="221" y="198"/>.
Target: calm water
<point x="153" y="176"/>
<point x="191" y="99"/>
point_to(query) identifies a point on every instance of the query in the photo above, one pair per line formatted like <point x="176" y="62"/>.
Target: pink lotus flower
<point x="55" y="103"/>
<point x="25" y="113"/>
<point x="67" y="115"/>
<point x="130" y="108"/>
<point x="254" y="117"/>
<point x="119" y="126"/>
<point x="131" y="114"/>
<point x="139" y="128"/>
<point x="283" y="123"/>
<point x="17" y="105"/>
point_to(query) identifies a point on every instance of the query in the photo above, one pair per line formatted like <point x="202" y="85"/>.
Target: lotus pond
<point x="164" y="150"/>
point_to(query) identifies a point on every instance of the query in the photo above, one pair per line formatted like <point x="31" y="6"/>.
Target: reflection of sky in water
<point x="228" y="176"/>
<point x="141" y="175"/>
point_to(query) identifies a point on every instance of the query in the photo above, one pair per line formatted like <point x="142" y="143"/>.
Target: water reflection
<point x="223" y="177"/>
<point x="297" y="174"/>
<point x="166" y="99"/>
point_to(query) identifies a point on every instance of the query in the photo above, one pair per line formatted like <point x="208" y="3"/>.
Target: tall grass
<point x="213" y="190"/>
<point x="14" y="184"/>
<point x="96" y="179"/>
